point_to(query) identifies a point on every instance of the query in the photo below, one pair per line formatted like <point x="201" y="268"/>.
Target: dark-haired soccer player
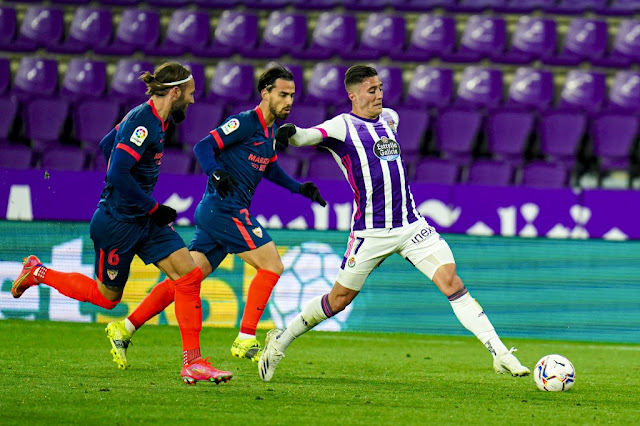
<point x="130" y="221"/>
<point x="235" y="156"/>
<point x="385" y="221"/>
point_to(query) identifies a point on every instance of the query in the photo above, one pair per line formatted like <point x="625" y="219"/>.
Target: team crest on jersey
<point x="351" y="262"/>
<point x="392" y="125"/>
<point x="139" y="135"/>
<point x="112" y="273"/>
<point x="230" y="126"/>
<point x="386" y="149"/>
<point x="257" y="232"/>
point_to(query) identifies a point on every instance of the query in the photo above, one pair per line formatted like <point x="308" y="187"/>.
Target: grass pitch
<point x="62" y="373"/>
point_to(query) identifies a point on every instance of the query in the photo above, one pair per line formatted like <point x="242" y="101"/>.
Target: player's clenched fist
<point x="164" y="215"/>
<point x="224" y="182"/>
<point x="311" y="191"/>
<point x="284" y="132"/>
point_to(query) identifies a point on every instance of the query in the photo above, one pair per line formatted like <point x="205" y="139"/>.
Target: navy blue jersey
<point x="134" y="162"/>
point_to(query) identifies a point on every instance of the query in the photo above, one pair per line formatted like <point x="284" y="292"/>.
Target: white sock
<point x="312" y="314"/>
<point x="245" y="336"/>
<point x="472" y="317"/>
<point x="129" y="326"/>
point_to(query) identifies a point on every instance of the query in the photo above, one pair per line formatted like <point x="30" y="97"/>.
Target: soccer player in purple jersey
<point x="129" y="222"/>
<point x="385" y="221"/>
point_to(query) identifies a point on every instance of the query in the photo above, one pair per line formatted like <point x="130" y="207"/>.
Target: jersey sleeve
<point x="134" y="136"/>
<point x="396" y="119"/>
<point x="335" y="128"/>
<point x="233" y="130"/>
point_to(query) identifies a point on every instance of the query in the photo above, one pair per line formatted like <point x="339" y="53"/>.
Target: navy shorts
<point x="223" y="228"/>
<point x="117" y="242"/>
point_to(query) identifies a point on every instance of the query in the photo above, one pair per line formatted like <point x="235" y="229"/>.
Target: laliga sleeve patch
<point x="230" y="126"/>
<point x="139" y="135"/>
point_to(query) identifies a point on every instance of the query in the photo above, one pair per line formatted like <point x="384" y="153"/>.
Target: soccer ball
<point x="554" y="373"/>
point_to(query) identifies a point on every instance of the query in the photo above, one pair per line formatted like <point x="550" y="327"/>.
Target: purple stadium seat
<point x="424" y="5"/>
<point x="624" y="94"/>
<point x="197" y="70"/>
<point x="63" y="158"/>
<point x="92" y="120"/>
<point x="316" y="4"/>
<point x="456" y="131"/>
<point x="531" y="88"/>
<point x="298" y="78"/>
<point x="432" y="35"/>
<point x="44" y="133"/>
<point x="90" y="27"/>
<point x="620" y="7"/>
<point x="232" y="82"/>
<point x="132" y="3"/>
<point x="326" y="84"/>
<point x="508" y="132"/>
<point x="236" y="32"/>
<point x="524" y="6"/>
<point x="412" y="126"/>
<point x="41" y="27"/>
<point x="560" y="133"/>
<point x="334" y="32"/>
<point x="73" y="2"/>
<point x="471" y="6"/>
<point x="483" y="37"/>
<point x="613" y="135"/>
<point x="534" y="38"/>
<point x="586" y="39"/>
<point x="126" y="85"/>
<point x="307" y="115"/>
<point x="5" y="75"/>
<point x="375" y="5"/>
<point x="436" y="171"/>
<point x="284" y="33"/>
<point x="217" y="4"/>
<point x="382" y="34"/>
<point x="9" y="108"/>
<point x="13" y="156"/>
<point x="188" y="31"/>
<point x="177" y="162"/>
<point x="202" y="117"/>
<point x="84" y="79"/>
<point x="268" y="4"/>
<point x="571" y="7"/>
<point x="323" y="166"/>
<point x="540" y="174"/>
<point x="480" y="87"/>
<point x="169" y="3"/>
<point x="626" y="46"/>
<point x="138" y="30"/>
<point x="430" y="87"/>
<point x="8" y="25"/>
<point x="289" y="164"/>
<point x="583" y="90"/>
<point x="490" y="172"/>
<point x="36" y="77"/>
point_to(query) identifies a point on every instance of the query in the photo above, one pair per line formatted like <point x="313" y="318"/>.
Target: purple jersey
<point x="369" y="155"/>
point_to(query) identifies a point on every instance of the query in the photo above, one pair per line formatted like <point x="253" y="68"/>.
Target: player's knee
<point x="277" y="268"/>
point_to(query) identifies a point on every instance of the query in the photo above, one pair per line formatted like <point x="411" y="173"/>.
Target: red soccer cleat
<point x="203" y="371"/>
<point x="26" y="278"/>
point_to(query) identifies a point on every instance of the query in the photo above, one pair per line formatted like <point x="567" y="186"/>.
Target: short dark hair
<point x="165" y="73"/>
<point x="269" y="77"/>
<point x="357" y="74"/>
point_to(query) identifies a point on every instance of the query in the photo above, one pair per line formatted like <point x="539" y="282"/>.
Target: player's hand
<point x="164" y="215"/>
<point x="224" y="182"/>
<point x="311" y="191"/>
<point x="283" y="134"/>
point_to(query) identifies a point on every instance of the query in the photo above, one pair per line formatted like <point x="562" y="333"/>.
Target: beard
<point x="178" y="115"/>
<point x="279" y="115"/>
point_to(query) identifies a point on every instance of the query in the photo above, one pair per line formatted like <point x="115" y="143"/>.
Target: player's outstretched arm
<point x="296" y="136"/>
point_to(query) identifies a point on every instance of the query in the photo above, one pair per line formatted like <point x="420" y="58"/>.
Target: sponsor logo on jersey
<point x="257" y="232"/>
<point x="422" y="235"/>
<point x="259" y="163"/>
<point x="112" y="274"/>
<point x="230" y="126"/>
<point x="139" y="135"/>
<point x="351" y="262"/>
<point x="386" y="149"/>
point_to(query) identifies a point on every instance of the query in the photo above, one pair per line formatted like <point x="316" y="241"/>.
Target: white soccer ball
<point x="310" y="271"/>
<point x="554" y="373"/>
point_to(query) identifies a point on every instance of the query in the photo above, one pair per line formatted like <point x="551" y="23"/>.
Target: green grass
<point x="62" y="373"/>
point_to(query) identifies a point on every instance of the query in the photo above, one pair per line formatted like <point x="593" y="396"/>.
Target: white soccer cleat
<point x="270" y="357"/>
<point x="506" y="362"/>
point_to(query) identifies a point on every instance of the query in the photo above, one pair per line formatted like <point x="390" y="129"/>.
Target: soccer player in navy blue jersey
<point x="129" y="222"/>
<point x="235" y="156"/>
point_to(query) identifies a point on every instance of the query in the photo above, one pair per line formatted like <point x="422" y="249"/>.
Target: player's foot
<point x="270" y="357"/>
<point x="202" y="371"/>
<point x="247" y="348"/>
<point x="120" y="340"/>
<point x="26" y="278"/>
<point x="507" y="362"/>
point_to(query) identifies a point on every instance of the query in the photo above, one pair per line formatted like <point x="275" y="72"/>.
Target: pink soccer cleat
<point x="26" y="278"/>
<point x="203" y="371"/>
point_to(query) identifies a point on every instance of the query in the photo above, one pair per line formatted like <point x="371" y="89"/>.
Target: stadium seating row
<point x="605" y="7"/>
<point x="334" y="34"/>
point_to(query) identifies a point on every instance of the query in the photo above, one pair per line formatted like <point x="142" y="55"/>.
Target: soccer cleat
<point x="270" y="357"/>
<point x="120" y="340"/>
<point x="26" y="278"/>
<point x="506" y="362"/>
<point x="247" y="348"/>
<point x="203" y="371"/>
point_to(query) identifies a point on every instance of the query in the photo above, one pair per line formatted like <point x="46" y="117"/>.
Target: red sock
<point x="161" y="296"/>
<point x="189" y="313"/>
<point x="75" y="286"/>
<point x="259" y="292"/>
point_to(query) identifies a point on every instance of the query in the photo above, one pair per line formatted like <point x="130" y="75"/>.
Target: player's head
<point x="174" y="81"/>
<point x="364" y="88"/>
<point x="277" y="88"/>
